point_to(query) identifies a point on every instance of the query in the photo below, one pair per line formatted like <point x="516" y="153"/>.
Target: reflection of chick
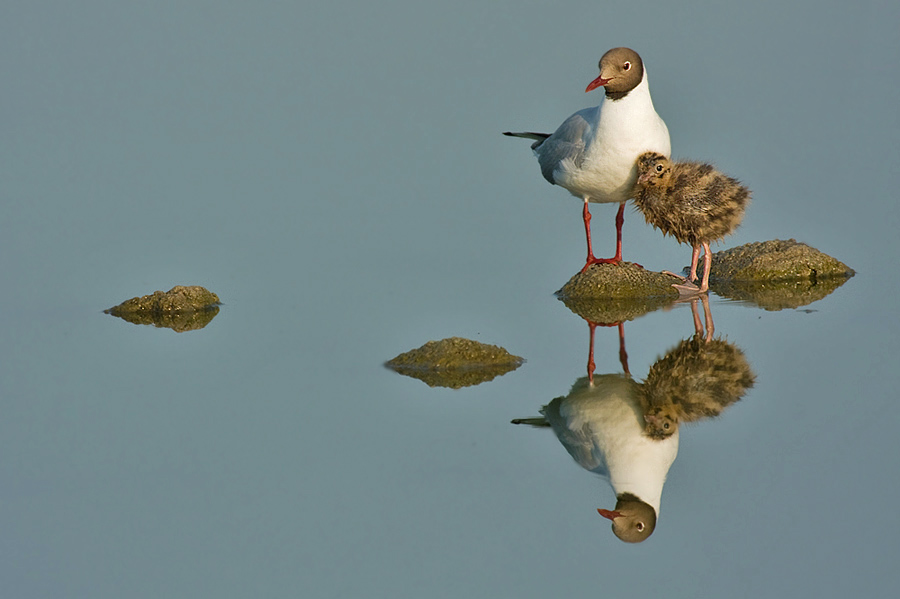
<point x="695" y="380"/>
<point x="692" y="202"/>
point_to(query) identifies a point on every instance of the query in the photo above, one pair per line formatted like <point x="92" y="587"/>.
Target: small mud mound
<point x="455" y="363"/>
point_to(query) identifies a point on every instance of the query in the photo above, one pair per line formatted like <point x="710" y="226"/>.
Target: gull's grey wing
<point x="578" y="442"/>
<point x="567" y="142"/>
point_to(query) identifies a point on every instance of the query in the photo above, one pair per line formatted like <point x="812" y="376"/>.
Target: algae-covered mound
<point x="776" y="274"/>
<point x="758" y="263"/>
<point x="618" y="281"/>
<point x="776" y="260"/>
<point x="177" y="299"/>
<point x="455" y="363"/>
<point x="182" y="308"/>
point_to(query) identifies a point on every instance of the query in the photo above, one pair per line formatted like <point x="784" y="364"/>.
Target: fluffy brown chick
<point x="692" y="202"/>
<point x="696" y="379"/>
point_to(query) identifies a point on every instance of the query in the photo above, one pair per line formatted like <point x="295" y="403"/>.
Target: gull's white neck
<point x="641" y="468"/>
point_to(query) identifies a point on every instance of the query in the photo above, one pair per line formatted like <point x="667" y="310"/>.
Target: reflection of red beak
<point x="609" y="515"/>
<point x="598" y="82"/>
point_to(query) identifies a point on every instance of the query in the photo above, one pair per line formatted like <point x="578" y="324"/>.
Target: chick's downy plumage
<point x="695" y="380"/>
<point x="691" y="201"/>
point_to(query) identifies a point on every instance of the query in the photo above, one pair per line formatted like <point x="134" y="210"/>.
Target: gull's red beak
<point x="598" y="82"/>
<point x="609" y="515"/>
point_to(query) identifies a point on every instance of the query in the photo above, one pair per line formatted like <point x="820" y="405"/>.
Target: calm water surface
<point x="338" y="177"/>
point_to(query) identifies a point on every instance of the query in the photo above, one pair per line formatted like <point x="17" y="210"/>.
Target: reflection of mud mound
<point x="623" y="281"/>
<point x="778" y="295"/>
<point x="696" y="379"/>
<point x="455" y="363"/>
<point x="776" y="260"/>
<point x="178" y="322"/>
<point x="609" y="311"/>
<point x="180" y="309"/>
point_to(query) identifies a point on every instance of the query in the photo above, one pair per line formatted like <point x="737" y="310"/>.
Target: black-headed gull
<point x="592" y="154"/>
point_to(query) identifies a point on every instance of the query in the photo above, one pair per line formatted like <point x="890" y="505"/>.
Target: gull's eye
<point x="639" y="526"/>
<point x="626" y="66"/>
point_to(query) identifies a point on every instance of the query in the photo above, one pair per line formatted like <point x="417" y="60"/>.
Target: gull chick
<point x="692" y="202"/>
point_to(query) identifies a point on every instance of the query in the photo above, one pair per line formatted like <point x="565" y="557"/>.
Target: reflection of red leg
<point x="698" y="324"/>
<point x="591" y="259"/>
<point x="590" y="364"/>
<point x="707" y="313"/>
<point x="623" y="355"/>
<point x="707" y="318"/>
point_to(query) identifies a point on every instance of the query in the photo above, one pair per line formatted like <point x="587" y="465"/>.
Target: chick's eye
<point x="666" y="426"/>
<point x="626" y="66"/>
<point x="658" y="168"/>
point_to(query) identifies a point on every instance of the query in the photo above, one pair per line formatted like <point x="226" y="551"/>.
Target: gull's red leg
<point x="620" y="220"/>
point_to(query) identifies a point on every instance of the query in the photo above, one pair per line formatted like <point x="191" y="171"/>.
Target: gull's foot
<point x="613" y="260"/>
<point x="592" y="260"/>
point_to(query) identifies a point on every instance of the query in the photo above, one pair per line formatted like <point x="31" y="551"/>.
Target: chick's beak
<point x="609" y="515"/>
<point x="598" y="82"/>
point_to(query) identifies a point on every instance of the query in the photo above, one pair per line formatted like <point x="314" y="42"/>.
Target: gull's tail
<point x="538" y="137"/>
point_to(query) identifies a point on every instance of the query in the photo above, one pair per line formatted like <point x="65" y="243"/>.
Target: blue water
<point x="337" y="176"/>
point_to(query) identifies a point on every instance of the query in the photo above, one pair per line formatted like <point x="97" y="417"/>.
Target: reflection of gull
<point x="601" y="426"/>
<point x="627" y="431"/>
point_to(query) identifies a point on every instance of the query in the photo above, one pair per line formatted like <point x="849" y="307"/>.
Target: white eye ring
<point x="626" y="66"/>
